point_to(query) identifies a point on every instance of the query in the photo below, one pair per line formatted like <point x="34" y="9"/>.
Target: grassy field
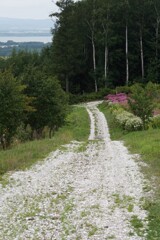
<point x="26" y="154"/>
<point x="147" y="144"/>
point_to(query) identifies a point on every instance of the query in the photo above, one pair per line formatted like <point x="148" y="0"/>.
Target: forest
<point x="104" y="43"/>
<point x="99" y="43"/>
<point x="97" y="46"/>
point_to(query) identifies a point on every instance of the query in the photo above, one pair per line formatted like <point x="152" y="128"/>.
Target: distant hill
<point x="12" y="25"/>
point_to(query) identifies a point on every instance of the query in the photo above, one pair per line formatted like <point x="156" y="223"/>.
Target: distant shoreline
<point x="6" y="48"/>
<point x="44" y="39"/>
<point x="26" y="30"/>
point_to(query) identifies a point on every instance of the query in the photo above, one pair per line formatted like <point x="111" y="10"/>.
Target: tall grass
<point x="147" y="144"/>
<point x="26" y="154"/>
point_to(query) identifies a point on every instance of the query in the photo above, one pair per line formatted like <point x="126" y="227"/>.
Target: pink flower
<point x="117" y="98"/>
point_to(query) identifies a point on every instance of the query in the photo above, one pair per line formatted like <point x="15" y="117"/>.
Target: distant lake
<point x="26" y="30"/>
<point x="44" y="39"/>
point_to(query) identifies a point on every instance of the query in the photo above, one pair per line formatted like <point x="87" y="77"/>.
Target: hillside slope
<point x="86" y="190"/>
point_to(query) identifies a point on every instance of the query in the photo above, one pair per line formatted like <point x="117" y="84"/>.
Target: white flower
<point x="134" y="124"/>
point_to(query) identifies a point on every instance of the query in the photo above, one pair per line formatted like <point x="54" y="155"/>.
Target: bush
<point x="105" y="91"/>
<point x="124" y="89"/>
<point x="75" y="99"/>
<point x="133" y="124"/>
<point x="141" y="103"/>
<point x="115" y="107"/>
<point x="126" y="120"/>
<point x="117" y="98"/>
<point x="23" y="134"/>
<point x="123" y="117"/>
<point x="156" y="121"/>
<point x="87" y="97"/>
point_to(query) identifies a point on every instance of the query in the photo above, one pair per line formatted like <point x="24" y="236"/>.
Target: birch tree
<point x="156" y="5"/>
<point x="127" y="61"/>
<point x="91" y="22"/>
<point x="140" y="4"/>
<point x="105" y="22"/>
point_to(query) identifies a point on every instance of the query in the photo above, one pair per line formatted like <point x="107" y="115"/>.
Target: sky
<point x="30" y="9"/>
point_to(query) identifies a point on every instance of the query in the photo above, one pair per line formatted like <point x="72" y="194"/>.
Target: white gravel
<point x="87" y="191"/>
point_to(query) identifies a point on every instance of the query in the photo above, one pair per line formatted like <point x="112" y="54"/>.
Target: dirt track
<point x="84" y="191"/>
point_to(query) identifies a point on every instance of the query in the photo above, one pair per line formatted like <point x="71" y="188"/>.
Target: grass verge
<point x="26" y="154"/>
<point x="147" y="144"/>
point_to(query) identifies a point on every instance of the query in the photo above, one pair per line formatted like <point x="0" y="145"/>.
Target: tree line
<point x="6" y="48"/>
<point x="31" y="98"/>
<point x="106" y="43"/>
<point x="97" y="45"/>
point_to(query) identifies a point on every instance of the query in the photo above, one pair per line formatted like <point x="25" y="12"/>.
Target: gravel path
<point x="90" y="190"/>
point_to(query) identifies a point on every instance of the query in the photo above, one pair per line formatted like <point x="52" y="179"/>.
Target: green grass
<point x="24" y="155"/>
<point x="137" y="225"/>
<point x="147" y="144"/>
<point x="91" y="229"/>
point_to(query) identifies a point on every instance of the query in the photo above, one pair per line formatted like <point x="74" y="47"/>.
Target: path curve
<point x="86" y="191"/>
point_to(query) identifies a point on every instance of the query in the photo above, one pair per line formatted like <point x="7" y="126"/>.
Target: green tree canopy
<point x="49" y="100"/>
<point x="108" y="42"/>
<point x="12" y="104"/>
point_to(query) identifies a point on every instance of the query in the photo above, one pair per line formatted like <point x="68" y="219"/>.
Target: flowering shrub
<point x="117" y="98"/>
<point x="128" y="121"/>
<point x="123" y="117"/>
<point x="133" y="124"/>
<point x="156" y="121"/>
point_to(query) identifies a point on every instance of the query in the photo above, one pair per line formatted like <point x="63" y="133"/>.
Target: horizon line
<point x="17" y="18"/>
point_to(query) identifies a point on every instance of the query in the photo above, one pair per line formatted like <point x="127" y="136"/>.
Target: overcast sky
<point x="35" y="9"/>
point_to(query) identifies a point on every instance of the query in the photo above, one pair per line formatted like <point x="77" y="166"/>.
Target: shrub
<point x="156" y="121"/>
<point x="23" y="134"/>
<point x="126" y="120"/>
<point x="124" y="89"/>
<point x="117" y="98"/>
<point x="134" y="124"/>
<point x="86" y="97"/>
<point x="75" y="99"/>
<point x="141" y="103"/>
<point x="115" y="107"/>
<point x="104" y="91"/>
<point x="123" y="117"/>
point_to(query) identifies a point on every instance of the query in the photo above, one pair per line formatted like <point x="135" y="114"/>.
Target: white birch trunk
<point x="142" y="55"/>
<point x="105" y="28"/>
<point x="94" y="62"/>
<point x="106" y="65"/>
<point x="157" y="28"/>
<point x="157" y="35"/>
<point x="127" y="62"/>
